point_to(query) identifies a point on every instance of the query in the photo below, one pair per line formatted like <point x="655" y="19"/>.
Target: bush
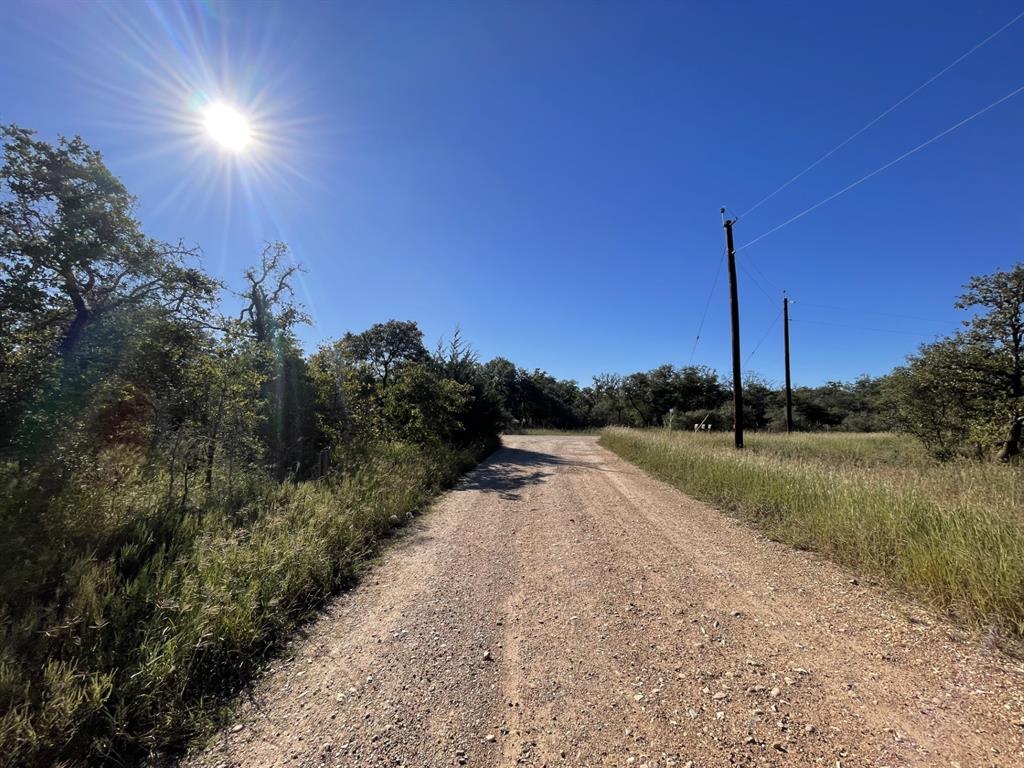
<point x="129" y="617"/>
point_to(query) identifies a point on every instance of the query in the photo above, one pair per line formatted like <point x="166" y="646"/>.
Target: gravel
<point x="607" y="606"/>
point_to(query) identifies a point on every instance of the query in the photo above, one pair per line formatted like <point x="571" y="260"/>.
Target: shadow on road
<point x="510" y="469"/>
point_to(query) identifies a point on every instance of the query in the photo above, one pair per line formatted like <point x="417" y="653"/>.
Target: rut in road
<point x="560" y="607"/>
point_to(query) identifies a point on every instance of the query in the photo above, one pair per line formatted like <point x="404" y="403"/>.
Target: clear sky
<point x="548" y="175"/>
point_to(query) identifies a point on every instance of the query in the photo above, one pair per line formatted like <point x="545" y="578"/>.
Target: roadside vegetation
<point x="181" y="484"/>
<point x="949" y="533"/>
<point x="848" y="449"/>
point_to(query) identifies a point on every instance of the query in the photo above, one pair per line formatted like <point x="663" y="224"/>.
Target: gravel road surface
<point x="561" y="608"/>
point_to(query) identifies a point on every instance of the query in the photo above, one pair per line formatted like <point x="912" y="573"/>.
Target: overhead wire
<point x="749" y="272"/>
<point x="886" y="112"/>
<point x="882" y="168"/>
<point x="707" y="306"/>
<point x="753" y="279"/>
<point x="767" y="331"/>
<point x="754" y="266"/>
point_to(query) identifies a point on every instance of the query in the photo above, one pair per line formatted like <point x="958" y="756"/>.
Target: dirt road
<point x="562" y="608"/>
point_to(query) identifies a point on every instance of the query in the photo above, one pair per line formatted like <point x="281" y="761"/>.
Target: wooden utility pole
<point x="789" y="383"/>
<point x="734" y="310"/>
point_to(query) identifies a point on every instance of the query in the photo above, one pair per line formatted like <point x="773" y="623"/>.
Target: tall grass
<point x="950" y="534"/>
<point x="128" y="617"/>
<point x="875" y="449"/>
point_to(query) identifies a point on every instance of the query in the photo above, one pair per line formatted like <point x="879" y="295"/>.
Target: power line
<point x="754" y="280"/>
<point x="767" y="331"/>
<point x="707" y="305"/>
<point x="885" y="167"/>
<point x="913" y="93"/>
<point x="764" y="277"/>
<point x="754" y="267"/>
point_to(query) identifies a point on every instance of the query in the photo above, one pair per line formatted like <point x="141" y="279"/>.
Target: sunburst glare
<point x="232" y="118"/>
<point x="227" y="126"/>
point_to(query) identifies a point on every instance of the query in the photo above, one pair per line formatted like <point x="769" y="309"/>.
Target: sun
<point x="227" y="126"/>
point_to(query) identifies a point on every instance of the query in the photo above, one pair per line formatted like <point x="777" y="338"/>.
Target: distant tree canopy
<point x="962" y="394"/>
<point x="678" y="398"/>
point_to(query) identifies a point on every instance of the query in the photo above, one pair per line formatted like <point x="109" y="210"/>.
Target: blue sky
<point x="548" y="175"/>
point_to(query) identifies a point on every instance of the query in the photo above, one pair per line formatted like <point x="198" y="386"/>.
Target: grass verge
<point x="128" y="619"/>
<point x="951" y="535"/>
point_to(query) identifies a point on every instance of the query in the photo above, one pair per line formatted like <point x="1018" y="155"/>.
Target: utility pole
<point x="789" y="383"/>
<point x="734" y="310"/>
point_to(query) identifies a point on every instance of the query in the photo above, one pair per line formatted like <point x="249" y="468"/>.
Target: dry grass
<point x="950" y="534"/>
<point x="127" y="621"/>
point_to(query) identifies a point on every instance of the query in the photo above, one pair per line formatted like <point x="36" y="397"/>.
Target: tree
<point x="610" y="404"/>
<point x="383" y="347"/>
<point x="654" y="394"/>
<point x="993" y="340"/>
<point x="502" y="383"/>
<point x="547" y="401"/>
<point x="423" y="408"/>
<point x="760" y="403"/>
<point x="381" y="386"/>
<point x="268" y="320"/>
<point x="480" y="413"/>
<point x="967" y="388"/>
<point x="77" y="276"/>
<point x="586" y="402"/>
<point x="269" y="293"/>
<point x="71" y="250"/>
<point x="699" y="388"/>
<point x="457" y="360"/>
<point x="934" y="397"/>
<point x="636" y="391"/>
<point x="327" y="372"/>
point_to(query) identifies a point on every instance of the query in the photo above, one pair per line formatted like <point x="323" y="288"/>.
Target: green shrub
<point x="129" y="618"/>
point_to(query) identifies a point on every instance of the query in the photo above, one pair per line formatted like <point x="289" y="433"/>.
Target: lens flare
<point x="214" y="127"/>
<point x="227" y="126"/>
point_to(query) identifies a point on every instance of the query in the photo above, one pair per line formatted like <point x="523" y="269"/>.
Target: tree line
<point x="676" y="398"/>
<point x="111" y="339"/>
<point x="960" y="395"/>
